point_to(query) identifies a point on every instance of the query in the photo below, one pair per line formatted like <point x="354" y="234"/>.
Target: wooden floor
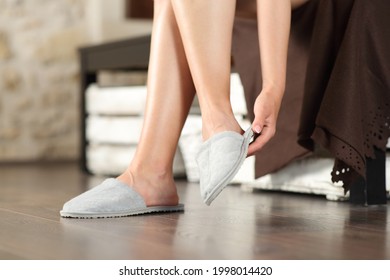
<point x="239" y="225"/>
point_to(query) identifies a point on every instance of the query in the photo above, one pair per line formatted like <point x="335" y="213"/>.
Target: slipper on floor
<point x="219" y="159"/>
<point x="110" y="199"/>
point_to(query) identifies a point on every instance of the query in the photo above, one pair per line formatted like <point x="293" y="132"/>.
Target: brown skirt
<point x="338" y="84"/>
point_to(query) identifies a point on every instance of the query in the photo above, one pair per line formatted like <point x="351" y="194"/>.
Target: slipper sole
<point x="133" y="212"/>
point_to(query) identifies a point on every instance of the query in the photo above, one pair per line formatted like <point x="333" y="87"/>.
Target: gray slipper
<point x="110" y="199"/>
<point x="219" y="159"/>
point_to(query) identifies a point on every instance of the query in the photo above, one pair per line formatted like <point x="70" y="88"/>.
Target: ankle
<point x="217" y="122"/>
<point x="156" y="188"/>
<point x="157" y="172"/>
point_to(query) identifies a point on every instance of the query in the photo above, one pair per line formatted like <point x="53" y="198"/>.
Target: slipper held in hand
<point x="219" y="159"/>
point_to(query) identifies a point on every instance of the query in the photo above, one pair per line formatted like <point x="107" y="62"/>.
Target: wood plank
<point x="238" y="225"/>
<point x="79" y="239"/>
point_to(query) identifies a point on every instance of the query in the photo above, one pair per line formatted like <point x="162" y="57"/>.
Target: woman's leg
<point x="248" y="8"/>
<point x="170" y="95"/>
<point x="206" y="30"/>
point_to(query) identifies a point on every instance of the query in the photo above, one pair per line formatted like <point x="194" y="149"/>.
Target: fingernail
<point x="257" y="129"/>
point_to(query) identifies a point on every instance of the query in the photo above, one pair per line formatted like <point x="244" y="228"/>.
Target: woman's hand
<point x="266" y="111"/>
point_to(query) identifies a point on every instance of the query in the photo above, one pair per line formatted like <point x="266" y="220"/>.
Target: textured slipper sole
<point x="135" y="212"/>
<point x="225" y="181"/>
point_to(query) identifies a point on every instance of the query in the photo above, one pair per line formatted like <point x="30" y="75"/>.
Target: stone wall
<point x="39" y="78"/>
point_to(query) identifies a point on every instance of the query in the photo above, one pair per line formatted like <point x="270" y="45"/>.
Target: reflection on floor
<point x="238" y="225"/>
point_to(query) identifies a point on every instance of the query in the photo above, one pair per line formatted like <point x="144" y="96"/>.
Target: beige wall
<point x="39" y="75"/>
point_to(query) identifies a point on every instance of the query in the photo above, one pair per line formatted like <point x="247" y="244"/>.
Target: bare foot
<point x="219" y="122"/>
<point x="155" y="189"/>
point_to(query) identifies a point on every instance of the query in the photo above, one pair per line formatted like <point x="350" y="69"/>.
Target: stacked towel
<point x="115" y="108"/>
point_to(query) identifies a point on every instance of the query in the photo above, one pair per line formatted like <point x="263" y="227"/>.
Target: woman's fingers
<point x="266" y="134"/>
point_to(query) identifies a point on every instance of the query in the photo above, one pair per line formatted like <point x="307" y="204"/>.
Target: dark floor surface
<point x="238" y="225"/>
